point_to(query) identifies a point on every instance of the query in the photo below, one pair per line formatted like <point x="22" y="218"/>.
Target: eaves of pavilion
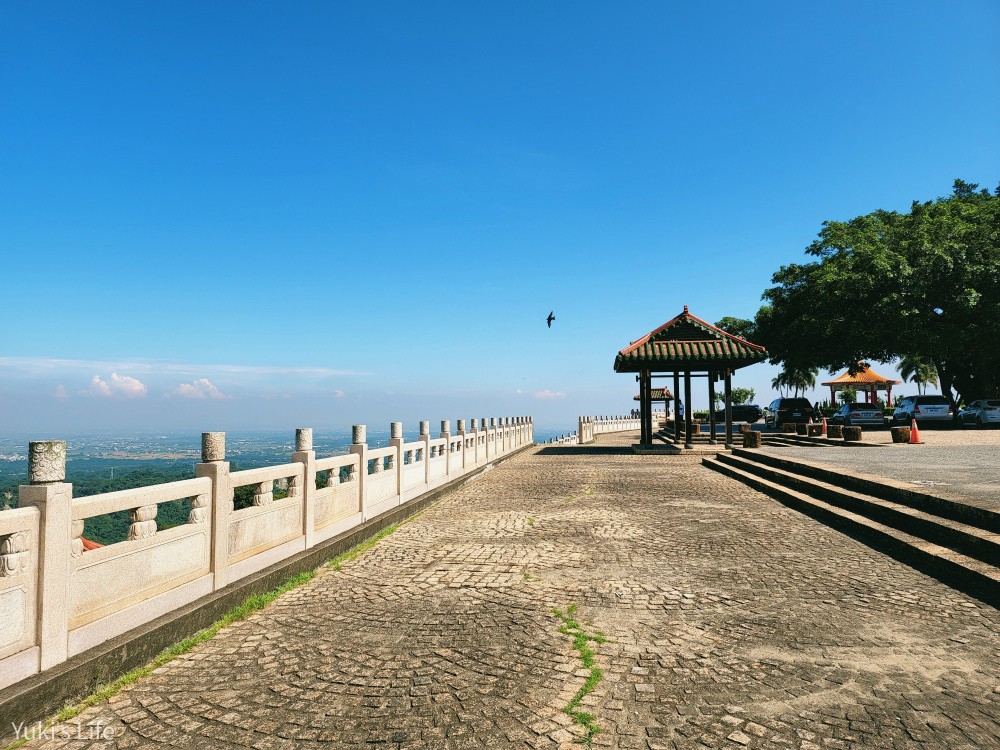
<point x="867" y="380"/>
<point x="690" y="347"/>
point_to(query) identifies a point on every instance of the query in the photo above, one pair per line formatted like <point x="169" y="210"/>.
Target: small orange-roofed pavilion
<point x="866" y="380"/>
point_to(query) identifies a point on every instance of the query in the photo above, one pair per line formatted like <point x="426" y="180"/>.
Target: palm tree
<point x="779" y="383"/>
<point x="918" y="370"/>
<point x="796" y="378"/>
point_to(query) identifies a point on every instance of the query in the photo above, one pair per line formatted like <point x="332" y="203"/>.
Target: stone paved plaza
<point x="731" y="622"/>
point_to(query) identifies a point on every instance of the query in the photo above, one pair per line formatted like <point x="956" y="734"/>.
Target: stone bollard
<point x="59" y="541"/>
<point x="800" y="429"/>
<point x="835" y="431"/>
<point x="814" y="430"/>
<point x="359" y="447"/>
<point x="788" y="426"/>
<point x="305" y="455"/>
<point x="751" y="439"/>
<point x="852" y="434"/>
<point x="215" y="466"/>
<point x="900" y="434"/>
<point x="745" y="428"/>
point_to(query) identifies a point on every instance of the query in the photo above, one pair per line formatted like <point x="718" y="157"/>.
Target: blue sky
<point x="253" y="215"/>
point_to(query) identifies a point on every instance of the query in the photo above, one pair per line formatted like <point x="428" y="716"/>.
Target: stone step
<point x="965" y="538"/>
<point x="921" y="499"/>
<point x="965" y="573"/>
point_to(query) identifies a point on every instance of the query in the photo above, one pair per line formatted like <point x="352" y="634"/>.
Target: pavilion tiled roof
<point x="867" y="376"/>
<point x="657" y="394"/>
<point x="687" y="341"/>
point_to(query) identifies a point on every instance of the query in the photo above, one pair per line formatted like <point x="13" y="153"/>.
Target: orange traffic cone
<point x="823" y="431"/>
<point x="914" y="433"/>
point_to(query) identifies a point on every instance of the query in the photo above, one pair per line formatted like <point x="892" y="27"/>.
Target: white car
<point x="981" y="413"/>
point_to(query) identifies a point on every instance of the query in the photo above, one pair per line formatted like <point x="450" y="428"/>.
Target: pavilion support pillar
<point x="688" y="417"/>
<point x="677" y="407"/>
<point x="729" y="408"/>
<point x="711" y="407"/>
<point x="645" y="407"/>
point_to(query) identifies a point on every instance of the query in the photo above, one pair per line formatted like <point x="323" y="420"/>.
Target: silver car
<point x="865" y="415"/>
<point x="924" y="409"/>
<point x="981" y="413"/>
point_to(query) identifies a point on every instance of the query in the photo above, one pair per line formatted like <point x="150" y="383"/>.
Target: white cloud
<point x="518" y="391"/>
<point x="549" y="394"/>
<point x="200" y="388"/>
<point x="99" y="388"/>
<point x="339" y="393"/>
<point x="127" y="386"/>
<point x="61" y="392"/>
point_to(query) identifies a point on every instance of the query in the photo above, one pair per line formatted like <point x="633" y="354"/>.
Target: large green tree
<point x="884" y="285"/>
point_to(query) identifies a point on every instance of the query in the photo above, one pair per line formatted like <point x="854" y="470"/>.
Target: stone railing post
<point x="461" y="433"/>
<point x="305" y="455"/>
<point x="214" y="466"/>
<point x="446" y="434"/>
<point x="425" y="438"/>
<point x="58" y="541"/>
<point x="359" y="447"/>
<point x="531" y="429"/>
<point x="396" y="440"/>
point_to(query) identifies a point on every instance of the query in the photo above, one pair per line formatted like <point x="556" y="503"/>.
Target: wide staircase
<point x="955" y="542"/>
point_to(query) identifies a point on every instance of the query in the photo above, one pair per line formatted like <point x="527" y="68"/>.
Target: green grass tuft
<point x="581" y="643"/>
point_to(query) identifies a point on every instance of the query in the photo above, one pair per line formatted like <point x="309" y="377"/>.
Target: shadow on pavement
<point x="586" y="450"/>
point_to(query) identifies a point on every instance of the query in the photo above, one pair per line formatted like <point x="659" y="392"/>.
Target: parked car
<point x="783" y="410"/>
<point x="981" y="413"/>
<point x="924" y="409"/>
<point x="741" y="413"/>
<point x="864" y="415"/>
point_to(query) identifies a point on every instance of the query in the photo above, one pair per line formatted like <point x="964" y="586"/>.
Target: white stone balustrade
<point x="591" y="426"/>
<point x="56" y="600"/>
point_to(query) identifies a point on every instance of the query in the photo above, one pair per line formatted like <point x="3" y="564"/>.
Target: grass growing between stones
<point x="581" y="643"/>
<point x="366" y="545"/>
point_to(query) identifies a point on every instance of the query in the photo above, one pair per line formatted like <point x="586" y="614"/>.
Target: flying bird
<point x="550" y="319"/>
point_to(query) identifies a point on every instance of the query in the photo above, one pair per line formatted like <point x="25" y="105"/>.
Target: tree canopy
<point x="924" y="284"/>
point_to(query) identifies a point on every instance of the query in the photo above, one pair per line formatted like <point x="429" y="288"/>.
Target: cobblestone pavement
<point x="731" y="622"/>
<point x="962" y="465"/>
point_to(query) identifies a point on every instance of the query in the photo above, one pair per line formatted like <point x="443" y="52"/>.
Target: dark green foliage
<point x="885" y="285"/>
<point x="745" y="329"/>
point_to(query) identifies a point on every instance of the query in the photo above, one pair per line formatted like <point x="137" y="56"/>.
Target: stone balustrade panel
<point x="438" y="459"/>
<point x="341" y="498"/>
<point x="381" y="483"/>
<point x="19" y="546"/>
<point x="268" y="523"/>
<point x="414" y="470"/>
<point x="149" y="562"/>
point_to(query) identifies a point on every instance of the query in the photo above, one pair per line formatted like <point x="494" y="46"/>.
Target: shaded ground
<point x="732" y="622"/>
